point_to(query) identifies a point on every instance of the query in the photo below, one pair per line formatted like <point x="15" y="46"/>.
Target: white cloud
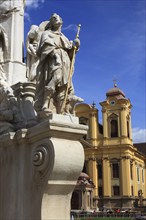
<point x="71" y="27"/>
<point x="33" y="3"/>
<point x="139" y="135"/>
<point x="27" y="16"/>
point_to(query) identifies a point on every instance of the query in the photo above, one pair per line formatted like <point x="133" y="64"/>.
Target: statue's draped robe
<point x="53" y="44"/>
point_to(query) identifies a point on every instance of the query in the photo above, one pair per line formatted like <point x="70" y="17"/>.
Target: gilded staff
<point x="79" y="27"/>
<point x="70" y="72"/>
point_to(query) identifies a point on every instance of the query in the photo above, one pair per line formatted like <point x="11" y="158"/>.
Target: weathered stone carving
<point x="32" y="61"/>
<point x="43" y="164"/>
<point x="3" y="44"/>
<point x="55" y="53"/>
<point x="24" y="93"/>
<point x="71" y="102"/>
<point x="6" y="113"/>
<point x="43" y="160"/>
<point x="12" y="40"/>
<point x="3" y="80"/>
<point x="8" y="6"/>
<point x="9" y="113"/>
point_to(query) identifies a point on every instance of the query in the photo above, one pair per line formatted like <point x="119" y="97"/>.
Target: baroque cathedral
<point x="114" y="173"/>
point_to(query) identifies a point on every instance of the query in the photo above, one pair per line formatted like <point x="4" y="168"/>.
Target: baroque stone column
<point x="39" y="168"/>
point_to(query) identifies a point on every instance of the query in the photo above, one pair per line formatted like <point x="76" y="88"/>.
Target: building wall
<point x="123" y="174"/>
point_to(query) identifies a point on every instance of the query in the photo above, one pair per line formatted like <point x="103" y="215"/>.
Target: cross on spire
<point x="115" y="82"/>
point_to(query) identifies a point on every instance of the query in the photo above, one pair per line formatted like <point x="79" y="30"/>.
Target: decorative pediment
<point x="113" y="115"/>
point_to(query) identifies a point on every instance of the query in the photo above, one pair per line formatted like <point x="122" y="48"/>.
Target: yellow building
<point x="116" y="166"/>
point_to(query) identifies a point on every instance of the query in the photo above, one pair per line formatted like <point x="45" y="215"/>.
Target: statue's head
<point x="54" y="22"/>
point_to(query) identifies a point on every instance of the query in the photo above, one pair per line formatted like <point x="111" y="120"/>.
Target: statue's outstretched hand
<point x="77" y="43"/>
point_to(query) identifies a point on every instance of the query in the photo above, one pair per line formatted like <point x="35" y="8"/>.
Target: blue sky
<point x="113" y="46"/>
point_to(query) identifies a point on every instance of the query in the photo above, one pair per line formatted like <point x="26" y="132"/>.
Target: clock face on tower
<point x="112" y="102"/>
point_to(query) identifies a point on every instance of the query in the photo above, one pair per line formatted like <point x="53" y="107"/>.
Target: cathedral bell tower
<point x="116" y="118"/>
<point x="117" y="148"/>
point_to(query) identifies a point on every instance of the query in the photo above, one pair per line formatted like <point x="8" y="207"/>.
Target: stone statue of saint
<point x="55" y="53"/>
<point x="32" y="61"/>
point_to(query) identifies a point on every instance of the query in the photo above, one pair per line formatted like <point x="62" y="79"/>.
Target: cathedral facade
<point x="115" y="166"/>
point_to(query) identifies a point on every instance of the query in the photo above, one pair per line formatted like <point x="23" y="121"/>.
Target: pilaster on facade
<point x="130" y="127"/>
<point x="106" y="177"/>
<point x="125" y="176"/>
<point x="94" y="131"/>
<point x="123" y="123"/>
<point x="135" y="184"/>
<point x="92" y="170"/>
<point x="105" y="125"/>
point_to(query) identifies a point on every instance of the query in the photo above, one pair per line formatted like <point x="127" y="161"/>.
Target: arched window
<point x="115" y="170"/>
<point x="128" y="134"/>
<point x="114" y="128"/>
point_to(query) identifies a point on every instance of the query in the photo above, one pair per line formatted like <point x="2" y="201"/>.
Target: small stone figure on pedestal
<point x="32" y="61"/>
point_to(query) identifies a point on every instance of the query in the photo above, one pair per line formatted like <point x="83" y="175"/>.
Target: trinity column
<point x="41" y="156"/>
<point x="12" y="39"/>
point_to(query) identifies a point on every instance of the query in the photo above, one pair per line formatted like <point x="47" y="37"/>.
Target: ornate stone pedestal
<point x="39" y="168"/>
